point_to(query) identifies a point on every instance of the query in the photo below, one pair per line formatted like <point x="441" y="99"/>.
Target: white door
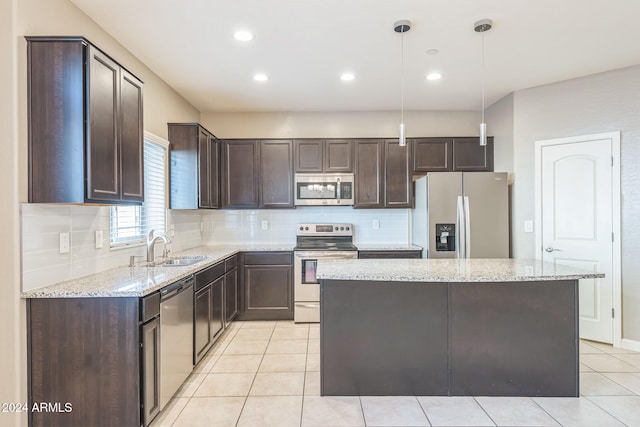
<point x="576" y="227"/>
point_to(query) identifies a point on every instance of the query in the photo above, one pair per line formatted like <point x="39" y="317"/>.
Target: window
<point x="131" y="224"/>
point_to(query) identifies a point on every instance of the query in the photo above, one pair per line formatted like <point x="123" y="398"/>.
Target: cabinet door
<point x="240" y="174"/>
<point x="214" y="172"/>
<point x="338" y="155"/>
<point x="201" y="322"/>
<point x="230" y="295"/>
<point x="131" y="138"/>
<point x="432" y="154"/>
<point x="217" y="307"/>
<point x="398" y="188"/>
<point x="470" y="156"/>
<point x="369" y="157"/>
<point x="276" y="174"/>
<point x="103" y="154"/>
<point x="204" y="171"/>
<point x="268" y="291"/>
<point x="308" y="155"/>
<point x="150" y="370"/>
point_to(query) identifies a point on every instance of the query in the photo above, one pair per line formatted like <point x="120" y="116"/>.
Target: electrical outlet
<point x="265" y="224"/>
<point x="99" y="239"/>
<point x="528" y="226"/>
<point x="376" y="224"/>
<point x="64" y="243"/>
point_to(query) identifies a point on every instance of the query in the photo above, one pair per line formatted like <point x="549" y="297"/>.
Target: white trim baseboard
<point x="632" y="345"/>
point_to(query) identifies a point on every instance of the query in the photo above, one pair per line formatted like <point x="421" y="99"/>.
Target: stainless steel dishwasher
<point x="176" y="337"/>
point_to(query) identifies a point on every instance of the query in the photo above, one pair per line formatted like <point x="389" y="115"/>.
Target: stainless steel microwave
<point x="325" y="189"/>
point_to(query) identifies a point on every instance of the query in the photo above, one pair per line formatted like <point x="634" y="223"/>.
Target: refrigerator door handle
<point x="460" y="228"/>
<point x="467" y="228"/>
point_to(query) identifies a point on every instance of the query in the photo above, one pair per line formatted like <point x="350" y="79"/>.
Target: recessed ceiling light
<point x="432" y="52"/>
<point x="347" y="77"/>
<point x="243" y="36"/>
<point x="434" y="76"/>
<point x="260" y="77"/>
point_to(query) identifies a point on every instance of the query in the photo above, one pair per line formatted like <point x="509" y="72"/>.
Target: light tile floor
<point x="262" y="374"/>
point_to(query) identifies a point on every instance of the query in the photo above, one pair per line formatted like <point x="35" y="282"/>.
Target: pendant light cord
<point x="482" y="75"/>
<point x="402" y="75"/>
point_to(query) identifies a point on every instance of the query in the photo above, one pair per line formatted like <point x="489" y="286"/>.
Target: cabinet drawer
<point x="149" y="306"/>
<point x="268" y="258"/>
<point x="230" y="263"/>
<point x="208" y="275"/>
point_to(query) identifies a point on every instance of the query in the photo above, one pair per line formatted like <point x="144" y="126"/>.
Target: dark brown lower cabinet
<point x="230" y="295"/>
<point x="267" y="291"/>
<point x="150" y="370"/>
<point x="85" y="356"/>
<point x="208" y="306"/>
<point x="389" y="254"/>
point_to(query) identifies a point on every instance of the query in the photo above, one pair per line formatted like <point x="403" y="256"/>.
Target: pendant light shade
<point x="481" y="27"/>
<point x="402" y="27"/>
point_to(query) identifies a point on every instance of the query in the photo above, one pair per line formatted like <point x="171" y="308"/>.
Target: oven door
<point x="307" y="287"/>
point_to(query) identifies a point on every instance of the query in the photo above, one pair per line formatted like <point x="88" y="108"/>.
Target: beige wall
<point x="598" y="103"/>
<point x="354" y="124"/>
<point x="162" y="105"/>
<point x="12" y="337"/>
<point x="499" y="119"/>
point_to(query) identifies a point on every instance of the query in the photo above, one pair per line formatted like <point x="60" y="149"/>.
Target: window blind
<point x="130" y="224"/>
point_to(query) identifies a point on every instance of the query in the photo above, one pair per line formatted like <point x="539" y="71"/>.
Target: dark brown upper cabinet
<point x="240" y="174"/>
<point x="276" y="174"/>
<point x="85" y="125"/>
<point x="194" y="166"/>
<point x="398" y="186"/>
<point x="369" y="173"/>
<point x="452" y="154"/>
<point x="432" y="154"/>
<point x="383" y="174"/>
<point x="323" y="155"/>
<point x="470" y="156"/>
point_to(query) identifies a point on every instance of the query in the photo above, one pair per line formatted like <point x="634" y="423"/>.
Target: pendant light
<point x="402" y="27"/>
<point x="481" y="27"/>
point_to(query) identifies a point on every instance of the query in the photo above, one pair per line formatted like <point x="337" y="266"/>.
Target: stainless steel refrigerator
<point x="462" y="215"/>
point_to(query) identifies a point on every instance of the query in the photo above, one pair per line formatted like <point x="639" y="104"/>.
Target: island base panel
<point x="514" y="339"/>
<point x="382" y="338"/>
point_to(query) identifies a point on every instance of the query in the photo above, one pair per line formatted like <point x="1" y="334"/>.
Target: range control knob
<point x="301" y="228"/>
<point x="336" y="228"/>
<point x="341" y="228"/>
<point x="347" y="228"/>
<point x="306" y="228"/>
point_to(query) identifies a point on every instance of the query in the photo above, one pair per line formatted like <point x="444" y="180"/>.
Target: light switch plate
<point x="376" y="224"/>
<point x="64" y="243"/>
<point x="99" y="239"/>
<point x="265" y="224"/>
<point x="528" y="226"/>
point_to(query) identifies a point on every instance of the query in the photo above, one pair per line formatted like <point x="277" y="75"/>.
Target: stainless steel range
<point x="315" y="242"/>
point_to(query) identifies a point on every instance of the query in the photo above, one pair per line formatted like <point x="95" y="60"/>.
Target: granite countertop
<point x="141" y="280"/>
<point x="387" y="247"/>
<point x="448" y="270"/>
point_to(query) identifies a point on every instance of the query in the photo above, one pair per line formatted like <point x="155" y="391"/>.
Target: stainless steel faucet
<point x="151" y="241"/>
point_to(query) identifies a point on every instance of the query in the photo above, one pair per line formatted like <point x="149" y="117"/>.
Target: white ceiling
<point x="304" y="46"/>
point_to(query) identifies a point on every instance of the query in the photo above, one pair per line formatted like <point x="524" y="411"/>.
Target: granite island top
<point x="448" y="270"/>
<point x="141" y="279"/>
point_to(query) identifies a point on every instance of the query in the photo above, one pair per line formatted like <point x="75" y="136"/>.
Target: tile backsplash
<point x="43" y="265"/>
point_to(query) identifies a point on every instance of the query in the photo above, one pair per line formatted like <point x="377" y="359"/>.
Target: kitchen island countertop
<point x="449" y="270"/>
<point x="141" y="279"/>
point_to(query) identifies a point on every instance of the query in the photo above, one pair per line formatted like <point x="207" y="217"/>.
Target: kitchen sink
<point x="179" y="261"/>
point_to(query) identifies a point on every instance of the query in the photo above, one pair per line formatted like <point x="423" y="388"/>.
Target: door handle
<point x="552" y="249"/>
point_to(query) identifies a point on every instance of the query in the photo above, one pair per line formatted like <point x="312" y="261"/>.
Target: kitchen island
<point x="488" y="327"/>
